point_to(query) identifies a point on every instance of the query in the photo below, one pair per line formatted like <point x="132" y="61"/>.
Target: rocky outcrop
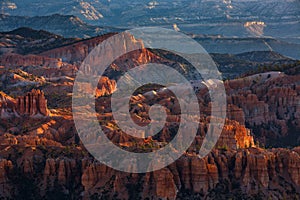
<point x="32" y="104"/>
<point x="105" y="87"/>
<point x="35" y="65"/>
<point x="76" y="52"/>
<point x="247" y="172"/>
<point x="235" y="136"/>
<point x="15" y="60"/>
<point x="7" y="105"/>
<point x="267" y="167"/>
<point x="270" y="105"/>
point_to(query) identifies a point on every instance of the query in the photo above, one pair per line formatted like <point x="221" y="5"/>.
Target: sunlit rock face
<point x="32" y="104"/>
<point x="255" y="28"/>
<point x="7" y="105"/>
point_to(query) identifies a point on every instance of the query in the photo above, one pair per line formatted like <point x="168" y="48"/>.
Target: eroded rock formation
<point x="270" y="105"/>
<point x="7" y="105"/>
<point x="33" y="103"/>
<point x="245" y="172"/>
<point x="16" y="60"/>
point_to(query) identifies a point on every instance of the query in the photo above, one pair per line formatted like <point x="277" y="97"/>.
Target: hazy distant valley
<point x="274" y="18"/>
<point x="217" y="25"/>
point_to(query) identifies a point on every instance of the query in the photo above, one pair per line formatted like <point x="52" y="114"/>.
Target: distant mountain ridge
<point x="26" y="40"/>
<point x="276" y="18"/>
<point x="31" y="33"/>
<point x="224" y="45"/>
<point x="262" y="56"/>
<point x="65" y="25"/>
